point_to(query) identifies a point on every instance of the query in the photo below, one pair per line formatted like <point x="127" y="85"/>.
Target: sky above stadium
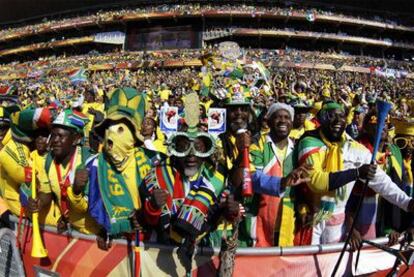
<point x="16" y="10"/>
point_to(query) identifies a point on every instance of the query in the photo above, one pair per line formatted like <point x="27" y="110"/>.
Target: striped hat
<point x="124" y="103"/>
<point x="25" y="122"/>
<point x="71" y="119"/>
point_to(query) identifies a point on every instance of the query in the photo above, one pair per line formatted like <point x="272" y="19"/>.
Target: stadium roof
<point x="15" y="11"/>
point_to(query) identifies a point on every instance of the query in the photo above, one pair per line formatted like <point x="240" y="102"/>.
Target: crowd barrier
<point x="77" y="254"/>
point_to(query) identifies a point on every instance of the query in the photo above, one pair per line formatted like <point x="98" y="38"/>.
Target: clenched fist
<point x="159" y="198"/>
<point x="33" y="205"/>
<point x="367" y="171"/>
<point x="81" y="179"/>
<point x="243" y="140"/>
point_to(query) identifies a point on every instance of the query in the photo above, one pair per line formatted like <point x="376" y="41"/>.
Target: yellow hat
<point x="403" y="127"/>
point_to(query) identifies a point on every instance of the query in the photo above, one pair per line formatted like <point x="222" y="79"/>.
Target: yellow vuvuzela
<point x="38" y="249"/>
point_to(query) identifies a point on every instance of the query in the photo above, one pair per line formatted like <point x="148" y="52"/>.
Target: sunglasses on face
<point x="181" y="144"/>
<point x="403" y="142"/>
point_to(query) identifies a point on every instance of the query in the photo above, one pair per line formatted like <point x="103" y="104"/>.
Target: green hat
<point x="332" y="106"/>
<point x="124" y="103"/>
<point x="71" y="119"/>
<point x="25" y="122"/>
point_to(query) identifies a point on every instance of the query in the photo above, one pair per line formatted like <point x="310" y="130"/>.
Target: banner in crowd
<point x="216" y="121"/>
<point x="110" y="38"/>
<point x="169" y="119"/>
<point x="388" y="72"/>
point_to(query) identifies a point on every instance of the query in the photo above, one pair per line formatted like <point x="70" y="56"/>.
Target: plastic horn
<point x="382" y="111"/>
<point x="247" y="190"/>
<point x="38" y="249"/>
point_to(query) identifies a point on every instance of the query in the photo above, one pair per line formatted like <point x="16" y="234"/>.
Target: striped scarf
<point x="107" y="205"/>
<point x="189" y="201"/>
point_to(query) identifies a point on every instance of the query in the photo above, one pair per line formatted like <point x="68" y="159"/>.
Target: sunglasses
<point x="182" y="144"/>
<point x="402" y="142"/>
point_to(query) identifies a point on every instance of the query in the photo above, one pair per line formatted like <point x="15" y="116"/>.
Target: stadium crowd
<point x="286" y="171"/>
<point x="111" y="15"/>
<point x="157" y="58"/>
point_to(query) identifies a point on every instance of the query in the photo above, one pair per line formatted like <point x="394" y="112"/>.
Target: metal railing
<point x="10" y="261"/>
<point x="205" y="251"/>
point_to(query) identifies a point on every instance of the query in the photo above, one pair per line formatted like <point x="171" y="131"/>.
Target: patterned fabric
<point x="313" y="151"/>
<point x="189" y="201"/>
<point x="391" y="162"/>
<point x="272" y="220"/>
<point x="105" y="204"/>
<point x="72" y="119"/>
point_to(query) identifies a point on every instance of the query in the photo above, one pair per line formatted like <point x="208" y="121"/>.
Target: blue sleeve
<point x="341" y="178"/>
<point x="266" y="184"/>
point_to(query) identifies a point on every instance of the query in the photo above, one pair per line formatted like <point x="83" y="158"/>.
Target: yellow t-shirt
<point x="14" y="157"/>
<point x="165" y="94"/>
<point x="6" y="139"/>
<point x="281" y="150"/>
<point x="51" y="214"/>
<point x="78" y="211"/>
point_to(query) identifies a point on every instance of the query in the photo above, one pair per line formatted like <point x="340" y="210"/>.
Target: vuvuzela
<point x="38" y="249"/>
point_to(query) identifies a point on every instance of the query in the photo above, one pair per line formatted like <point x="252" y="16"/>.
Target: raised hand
<point x="298" y="176"/>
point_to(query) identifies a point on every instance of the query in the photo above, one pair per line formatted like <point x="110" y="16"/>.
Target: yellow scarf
<point x="407" y="166"/>
<point x="334" y="161"/>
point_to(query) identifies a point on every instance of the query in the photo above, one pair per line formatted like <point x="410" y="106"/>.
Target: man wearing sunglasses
<point x="338" y="163"/>
<point x="181" y="194"/>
